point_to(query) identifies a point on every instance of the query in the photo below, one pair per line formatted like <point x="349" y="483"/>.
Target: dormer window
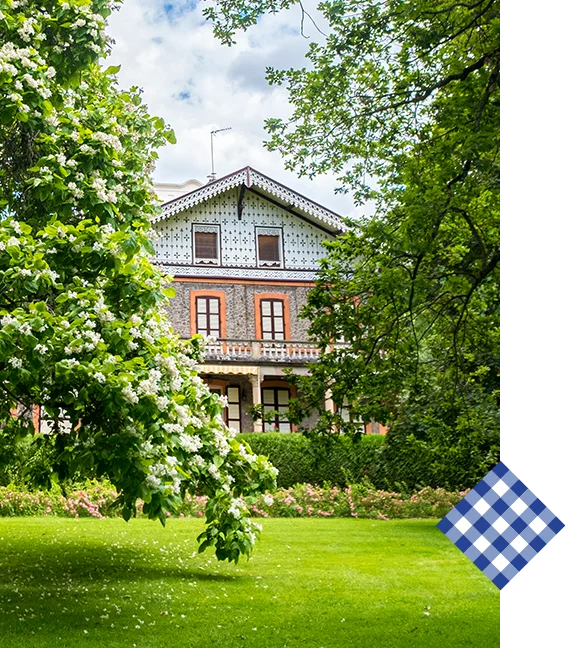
<point x="206" y="244"/>
<point x="269" y="247"/>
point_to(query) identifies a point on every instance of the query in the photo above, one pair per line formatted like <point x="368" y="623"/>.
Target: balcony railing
<point x="261" y="350"/>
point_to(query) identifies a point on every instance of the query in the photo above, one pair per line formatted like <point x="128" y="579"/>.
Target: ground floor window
<point x="49" y="425"/>
<point x="276" y="399"/>
<point x="232" y="412"/>
<point x="345" y="413"/>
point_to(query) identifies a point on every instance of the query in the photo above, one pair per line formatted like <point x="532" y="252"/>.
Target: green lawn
<point x="340" y="583"/>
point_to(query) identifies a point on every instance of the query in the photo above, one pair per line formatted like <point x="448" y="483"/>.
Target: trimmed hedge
<point x="335" y="460"/>
<point x="393" y="463"/>
<point x="415" y="463"/>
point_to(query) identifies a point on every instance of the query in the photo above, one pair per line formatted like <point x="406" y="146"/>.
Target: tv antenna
<point x="212" y="175"/>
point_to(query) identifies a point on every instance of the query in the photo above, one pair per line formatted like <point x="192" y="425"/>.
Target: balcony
<point x="280" y="351"/>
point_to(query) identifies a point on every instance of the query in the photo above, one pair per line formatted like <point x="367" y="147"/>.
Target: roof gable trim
<point x="251" y="178"/>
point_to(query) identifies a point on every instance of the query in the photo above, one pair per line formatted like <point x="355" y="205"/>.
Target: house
<point x="243" y="251"/>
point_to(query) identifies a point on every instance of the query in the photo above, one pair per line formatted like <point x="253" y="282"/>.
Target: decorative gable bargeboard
<point x="240" y="209"/>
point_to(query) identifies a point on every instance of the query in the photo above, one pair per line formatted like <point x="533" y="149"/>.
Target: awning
<point x="249" y="370"/>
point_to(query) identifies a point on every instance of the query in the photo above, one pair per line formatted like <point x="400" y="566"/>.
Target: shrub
<point x="303" y="500"/>
<point x="335" y="460"/>
<point x="397" y="462"/>
<point x="409" y="463"/>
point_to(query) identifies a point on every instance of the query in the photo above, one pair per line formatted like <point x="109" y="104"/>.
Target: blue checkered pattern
<point x="500" y="525"/>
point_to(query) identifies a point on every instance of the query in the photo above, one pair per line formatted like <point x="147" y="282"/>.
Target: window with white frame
<point x="269" y="244"/>
<point x="54" y="425"/>
<point x="276" y="399"/>
<point x="208" y="316"/>
<point x="345" y="413"/>
<point x="233" y="409"/>
<point x="272" y="319"/>
<point x="206" y="244"/>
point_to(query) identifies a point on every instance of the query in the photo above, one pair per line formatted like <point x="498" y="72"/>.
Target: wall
<point x="240" y="307"/>
<point x="302" y="241"/>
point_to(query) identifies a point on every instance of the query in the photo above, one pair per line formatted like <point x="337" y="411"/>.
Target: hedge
<point x="335" y="460"/>
<point x="396" y="463"/>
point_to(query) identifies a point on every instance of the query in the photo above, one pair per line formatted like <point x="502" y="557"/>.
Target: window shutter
<point x="268" y="248"/>
<point x="206" y="246"/>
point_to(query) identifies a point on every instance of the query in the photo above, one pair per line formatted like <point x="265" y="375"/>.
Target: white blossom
<point x="192" y="443"/>
<point x="153" y="482"/>
<point x="129" y="394"/>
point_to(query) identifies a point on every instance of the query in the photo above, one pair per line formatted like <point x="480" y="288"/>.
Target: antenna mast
<point x="212" y="175"/>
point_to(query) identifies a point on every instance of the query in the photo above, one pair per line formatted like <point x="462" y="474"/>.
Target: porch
<point x="252" y="385"/>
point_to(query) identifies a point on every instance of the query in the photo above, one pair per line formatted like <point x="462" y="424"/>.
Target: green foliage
<point x="399" y="461"/>
<point x="83" y="329"/>
<point x="337" y="461"/>
<point x="401" y="102"/>
<point x="452" y="461"/>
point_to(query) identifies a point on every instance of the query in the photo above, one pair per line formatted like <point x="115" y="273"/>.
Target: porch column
<point x="256" y="397"/>
<point x="328" y="402"/>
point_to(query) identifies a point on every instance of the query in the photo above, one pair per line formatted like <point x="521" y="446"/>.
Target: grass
<point x="332" y="583"/>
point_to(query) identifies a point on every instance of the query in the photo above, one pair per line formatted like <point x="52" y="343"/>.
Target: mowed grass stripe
<point x="321" y="583"/>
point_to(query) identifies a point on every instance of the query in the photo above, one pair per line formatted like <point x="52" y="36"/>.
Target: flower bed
<point x="302" y="500"/>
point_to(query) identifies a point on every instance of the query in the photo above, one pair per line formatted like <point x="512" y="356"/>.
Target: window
<point x="272" y="319"/>
<point x="269" y="250"/>
<point x="49" y="425"/>
<point x="208" y="316"/>
<point x="232" y="412"/>
<point x="205" y="244"/>
<point x="276" y="399"/>
<point x="345" y="413"/>
<point x="233" y="409"/>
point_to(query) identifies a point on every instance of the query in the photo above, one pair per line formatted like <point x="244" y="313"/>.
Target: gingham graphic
<point x="500" y="525"/>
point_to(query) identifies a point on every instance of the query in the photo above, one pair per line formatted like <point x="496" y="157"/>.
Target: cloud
<point x="197" y="85"/>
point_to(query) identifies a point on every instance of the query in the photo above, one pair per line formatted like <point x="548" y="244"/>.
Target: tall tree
<point x="82" y="328"/>
<point x="401" y="101"/>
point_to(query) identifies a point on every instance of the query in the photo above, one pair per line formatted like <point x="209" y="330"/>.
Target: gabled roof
<point x="262" y="185"/>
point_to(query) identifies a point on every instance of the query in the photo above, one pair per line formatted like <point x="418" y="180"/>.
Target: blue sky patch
<point x="174" y="9"/>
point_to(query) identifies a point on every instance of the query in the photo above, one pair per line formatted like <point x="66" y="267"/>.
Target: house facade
<point x="244" y="251"/>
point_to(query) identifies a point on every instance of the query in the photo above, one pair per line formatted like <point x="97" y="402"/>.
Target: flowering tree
<point x="83" y="333"/>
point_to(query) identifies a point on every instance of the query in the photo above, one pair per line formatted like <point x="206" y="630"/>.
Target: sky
<point x="197" y="85"/>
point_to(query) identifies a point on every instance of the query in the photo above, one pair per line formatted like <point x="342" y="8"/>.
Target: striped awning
<point x="249" y="370"/>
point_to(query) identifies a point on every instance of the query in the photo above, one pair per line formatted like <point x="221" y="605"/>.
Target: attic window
<point x="269" y="247"/>
<point x="205" y="244"/>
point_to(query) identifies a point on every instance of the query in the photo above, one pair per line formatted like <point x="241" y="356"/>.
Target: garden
<point x="131" y="514"/>
<point x="340" y="563"/>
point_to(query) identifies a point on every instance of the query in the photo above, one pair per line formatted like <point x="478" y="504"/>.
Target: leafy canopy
<point x="83" y="332"/>
<point x="401" y="101"/>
